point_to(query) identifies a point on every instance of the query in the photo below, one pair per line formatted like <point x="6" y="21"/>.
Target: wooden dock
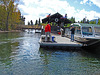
<point x="60" y="42"/>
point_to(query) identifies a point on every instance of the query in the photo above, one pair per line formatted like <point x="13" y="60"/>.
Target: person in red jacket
<point x="47" y="31"/>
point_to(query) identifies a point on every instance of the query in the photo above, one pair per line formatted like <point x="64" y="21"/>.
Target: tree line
<point x="10" y="15"/>
<point x="37" y="22"/>
<point x="95" y="21"/>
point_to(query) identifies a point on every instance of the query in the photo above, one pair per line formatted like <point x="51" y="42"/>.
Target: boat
<point x="87" y="34"/>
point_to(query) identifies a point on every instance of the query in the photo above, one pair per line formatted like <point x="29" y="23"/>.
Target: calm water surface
<point x="20" y="55"/>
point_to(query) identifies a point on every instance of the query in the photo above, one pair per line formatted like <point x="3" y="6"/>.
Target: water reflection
<point x="66" y="62"/>
<point x="7" y="36"/>
<point x="5" y="53"/>
<point x="7" y="50"/>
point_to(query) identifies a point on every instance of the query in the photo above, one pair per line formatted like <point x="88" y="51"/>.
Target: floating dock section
<point x="60" y="43"/>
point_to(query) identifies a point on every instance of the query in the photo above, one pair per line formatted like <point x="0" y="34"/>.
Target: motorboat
<point x="88" y="34"/>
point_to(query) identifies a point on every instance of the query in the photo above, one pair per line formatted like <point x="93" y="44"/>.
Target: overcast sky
<point x="35" y="9"/>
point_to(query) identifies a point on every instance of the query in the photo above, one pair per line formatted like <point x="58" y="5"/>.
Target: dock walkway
<point x="60" y="42"/>
<point x="63" y="40"/>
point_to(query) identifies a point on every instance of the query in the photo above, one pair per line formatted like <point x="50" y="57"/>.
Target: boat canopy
<point x="87" y="30"/>
<point x="84" y="25"/>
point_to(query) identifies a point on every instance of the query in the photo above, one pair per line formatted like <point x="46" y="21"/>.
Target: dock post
<point x="42" y="30"/>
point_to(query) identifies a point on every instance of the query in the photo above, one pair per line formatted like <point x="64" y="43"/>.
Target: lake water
<point x="20" y="55"/>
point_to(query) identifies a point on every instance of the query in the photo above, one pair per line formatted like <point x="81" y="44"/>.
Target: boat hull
<point x="93" y="48"/>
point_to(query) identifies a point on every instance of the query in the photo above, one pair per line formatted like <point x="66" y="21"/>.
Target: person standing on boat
<point x="48" y="31"/>
<point x="72" y="33"/>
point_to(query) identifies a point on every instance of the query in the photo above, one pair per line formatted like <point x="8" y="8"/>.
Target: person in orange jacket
<point x="47" y="31"/>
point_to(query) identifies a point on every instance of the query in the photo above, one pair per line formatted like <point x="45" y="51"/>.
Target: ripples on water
<point x="20" y="55"/>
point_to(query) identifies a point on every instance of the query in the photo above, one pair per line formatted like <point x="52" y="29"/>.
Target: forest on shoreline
<point x="10" y="15"/>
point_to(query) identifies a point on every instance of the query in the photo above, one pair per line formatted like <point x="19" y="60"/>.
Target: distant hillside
<point x="94" y="20"/>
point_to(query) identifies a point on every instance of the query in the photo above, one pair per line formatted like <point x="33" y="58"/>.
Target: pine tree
<point x="84" y="20"/>
<point x="28" y="23"/>
<point x="87" y="21"/>
<point x="39" y="21"/>
<point x="36" y="22"/>
<point x="72" y="20"/>
<point x="31" y="22"/>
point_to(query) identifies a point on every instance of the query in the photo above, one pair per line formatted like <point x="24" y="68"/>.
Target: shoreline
<point x="11" y="31"/>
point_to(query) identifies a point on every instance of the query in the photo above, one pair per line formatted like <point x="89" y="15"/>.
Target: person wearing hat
<point x="48" y="31"/>
<point x="72" y="33"/>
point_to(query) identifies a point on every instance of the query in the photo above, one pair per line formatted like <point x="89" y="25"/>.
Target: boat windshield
<point x="77" y="30"/>
<point x="87" y="31"/>
<point x="97" y="30"/>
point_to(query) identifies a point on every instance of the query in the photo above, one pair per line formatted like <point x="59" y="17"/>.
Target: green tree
<point x="72" y="19"/>
<point x="36" y="22"/>
<point x="92" y="22"/>
<point x="22" y="20"/>
<point x="99" y="21"/>
<point x="28" y="23"/>
<point x="10" y="9"/>
<point x="31" y="22"/>
<point x="81" y="21"/>
<point x="87" y="21"/>
<point x="84" y="20"/>
<point x="2" y="17"/>
<point x="39" y="21"/>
